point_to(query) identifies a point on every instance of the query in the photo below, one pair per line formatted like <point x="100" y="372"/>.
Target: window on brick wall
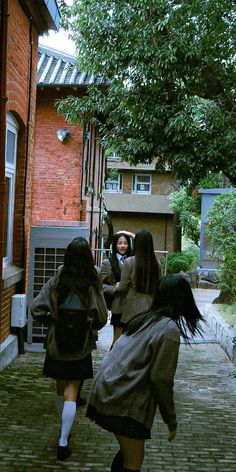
<point x="10" y="172"/>
<point x="142" y="184"/>
<point x="113" y="182"/>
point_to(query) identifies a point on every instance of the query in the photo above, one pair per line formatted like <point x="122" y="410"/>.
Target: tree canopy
<point x="172" y="72"/>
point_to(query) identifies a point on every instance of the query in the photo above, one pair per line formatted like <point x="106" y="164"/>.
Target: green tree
<point x="221" y="231"/>
<point x="188" y="209"/>
<point x="186" y="203"/>
<point x="171" y="67"/>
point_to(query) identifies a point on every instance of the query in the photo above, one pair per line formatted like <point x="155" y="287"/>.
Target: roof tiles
<point x="57" y="69"/>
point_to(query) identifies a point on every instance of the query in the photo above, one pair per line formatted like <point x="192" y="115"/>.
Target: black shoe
<point x="80" y="402"/>
<point x="63" y="452"/>
<point x="117" y="462"/>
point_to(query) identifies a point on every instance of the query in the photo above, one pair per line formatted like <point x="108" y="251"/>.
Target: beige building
<point x="137" y="197"/>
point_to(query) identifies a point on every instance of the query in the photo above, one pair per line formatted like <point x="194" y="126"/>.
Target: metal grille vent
<point x="47" y="252"/>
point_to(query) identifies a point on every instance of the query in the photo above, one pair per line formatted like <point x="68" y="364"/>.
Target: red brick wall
<point x="6" y="312"/>
<point x="18" y="91"/>
<point x="57" y="165"/>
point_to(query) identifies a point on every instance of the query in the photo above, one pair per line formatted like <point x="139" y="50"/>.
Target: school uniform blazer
<point x="44" y="309"/>
<point x="109" y="281"/>
<point x="134" y="302"/>
<point x="137" y="375"/>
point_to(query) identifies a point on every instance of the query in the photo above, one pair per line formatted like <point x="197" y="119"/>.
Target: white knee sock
<point x="59" y="402"/>
<point x="67" y="420"/>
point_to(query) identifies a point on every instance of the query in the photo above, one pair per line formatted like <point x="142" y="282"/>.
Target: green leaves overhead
<point x="171" y="67"/>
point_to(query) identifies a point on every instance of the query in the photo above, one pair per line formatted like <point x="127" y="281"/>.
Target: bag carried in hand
<point x="72" y="325"/>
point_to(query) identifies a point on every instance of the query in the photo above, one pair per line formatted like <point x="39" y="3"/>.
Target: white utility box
<point x="18" y="310"/>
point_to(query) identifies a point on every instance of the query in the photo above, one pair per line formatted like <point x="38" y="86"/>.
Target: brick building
<point x="68" y="174"/>
<point x="137" y="197"/>
<point x="22" y="21"/>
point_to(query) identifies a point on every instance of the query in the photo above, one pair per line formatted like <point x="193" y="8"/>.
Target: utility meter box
<point x="18" y="310"/>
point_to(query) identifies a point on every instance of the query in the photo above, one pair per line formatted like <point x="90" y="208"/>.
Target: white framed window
<point x="113" y="183"/>
<point x="142" y="184"/>
<point x="10" y="172"/>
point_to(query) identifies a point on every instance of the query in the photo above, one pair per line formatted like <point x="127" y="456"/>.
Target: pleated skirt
<point x="119" y="425"/>
<point x="69" y="370"/>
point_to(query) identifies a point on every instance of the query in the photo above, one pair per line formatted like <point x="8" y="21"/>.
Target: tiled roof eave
<point x="43" y="85"/>
<point x="57" y="69"/>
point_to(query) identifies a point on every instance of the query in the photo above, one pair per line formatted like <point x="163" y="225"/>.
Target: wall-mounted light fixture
<point x="62" y="134"/>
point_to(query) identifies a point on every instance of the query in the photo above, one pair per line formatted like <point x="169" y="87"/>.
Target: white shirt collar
<point x="119" y="256"/>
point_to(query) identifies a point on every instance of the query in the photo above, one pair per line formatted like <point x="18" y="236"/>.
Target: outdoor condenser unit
<point x="18" y="310"/>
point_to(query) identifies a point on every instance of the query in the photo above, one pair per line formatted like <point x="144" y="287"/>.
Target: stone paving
<point x="205" y="393"/>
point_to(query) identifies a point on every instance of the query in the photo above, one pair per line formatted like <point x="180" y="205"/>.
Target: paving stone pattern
<point x="205" y="400"/>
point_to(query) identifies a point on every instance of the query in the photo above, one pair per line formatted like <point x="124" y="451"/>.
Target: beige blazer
<point x="134" y="302"/>
<point x="109" y="282"/>
<point x="44" y="309"/>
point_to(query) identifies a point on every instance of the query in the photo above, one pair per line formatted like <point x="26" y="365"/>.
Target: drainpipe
<point x="101" y="204"/>
<point x="93" y="180"/>
<point x="30" y="64"/>
<point x="3" y="100"/>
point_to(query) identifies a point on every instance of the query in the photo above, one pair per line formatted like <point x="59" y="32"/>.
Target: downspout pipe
<point x="93" y="180"/>
<point x="23" y="261"/>
<point x="3" y="100"/>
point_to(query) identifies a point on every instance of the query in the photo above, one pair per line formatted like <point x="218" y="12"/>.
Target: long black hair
<point x="174" y="299"/>
<point x="147" y="269"/>
<point x="78" y="272"/>
<point x="115" y="267"/>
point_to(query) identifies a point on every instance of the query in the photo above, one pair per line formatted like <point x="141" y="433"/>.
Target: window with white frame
<point x="10" y="172"/>
<point x="142" y="183"/>
<point x="113" y="182"/>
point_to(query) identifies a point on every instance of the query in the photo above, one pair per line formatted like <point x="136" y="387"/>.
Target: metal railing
<point x="101" y="254"/>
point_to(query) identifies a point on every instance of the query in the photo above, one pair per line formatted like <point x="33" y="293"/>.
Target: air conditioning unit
<point x="18" y="310"/>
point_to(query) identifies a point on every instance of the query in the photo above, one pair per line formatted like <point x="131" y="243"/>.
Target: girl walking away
<point x="72" y="305"/>
<point x="110" y="273"/>
<point x="139" y="277"/>
<point x="137" y="376"/>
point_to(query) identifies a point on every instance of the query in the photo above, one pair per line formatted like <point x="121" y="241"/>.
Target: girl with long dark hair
<point x="71" y="304"/>
<point x="137" y="376"/>
<point x="110" y="273"/>
<point x="139" y="277"/>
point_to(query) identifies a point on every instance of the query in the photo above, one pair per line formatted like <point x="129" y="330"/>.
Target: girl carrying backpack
<point x="72" y="306"/>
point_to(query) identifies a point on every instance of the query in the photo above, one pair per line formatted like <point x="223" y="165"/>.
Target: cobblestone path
<point x="205" y="400"/>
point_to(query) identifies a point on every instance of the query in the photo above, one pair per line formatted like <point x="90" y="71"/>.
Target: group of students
<point x="149" y="315"/>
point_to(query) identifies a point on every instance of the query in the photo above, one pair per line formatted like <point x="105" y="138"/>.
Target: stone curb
<point x="222" y="331"/>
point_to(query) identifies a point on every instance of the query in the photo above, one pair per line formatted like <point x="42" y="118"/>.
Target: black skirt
<point x="119" y="425"/>
<point x="69" y="370"/>
<point x="115" y="320"/>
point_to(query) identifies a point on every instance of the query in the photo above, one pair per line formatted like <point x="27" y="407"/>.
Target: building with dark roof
<point x="22" y="22"/>
<point x="68" y="174"/>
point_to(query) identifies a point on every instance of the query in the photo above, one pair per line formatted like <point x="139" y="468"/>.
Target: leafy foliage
<point x="180" y="261"/>
<point x="186" y="202"/>
<point x="171" y="67"/>
<point x="221" y="231"/>
<point x="188" y="209"/>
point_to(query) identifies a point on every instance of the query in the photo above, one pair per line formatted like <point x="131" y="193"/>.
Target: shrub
<point x="180" y="261"/>
<point x="221" y="231"/>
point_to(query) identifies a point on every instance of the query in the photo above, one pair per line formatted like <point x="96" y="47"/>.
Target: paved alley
<point x="205" y="393"/>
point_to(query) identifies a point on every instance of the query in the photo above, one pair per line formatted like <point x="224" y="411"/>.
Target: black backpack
<point x="72" y="325"/>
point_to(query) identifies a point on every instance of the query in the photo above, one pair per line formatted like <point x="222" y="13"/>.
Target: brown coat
<point x="135" y="302"/>
<point x="109" y="282"/>
<point x="44" y="310"/>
